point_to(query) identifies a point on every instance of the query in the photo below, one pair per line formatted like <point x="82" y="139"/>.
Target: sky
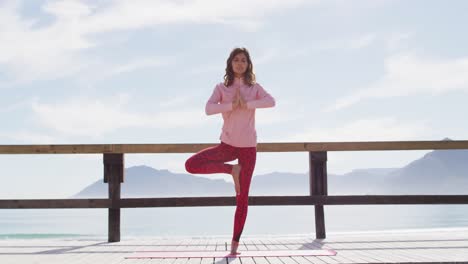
<point x="116" y="72"/>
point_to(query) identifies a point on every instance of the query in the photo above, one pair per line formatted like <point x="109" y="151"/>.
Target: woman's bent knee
<point x="189" y="166"/>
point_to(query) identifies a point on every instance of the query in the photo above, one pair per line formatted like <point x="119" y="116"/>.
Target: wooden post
<point x="318" y="186"/>
<point x="114" y="175"/>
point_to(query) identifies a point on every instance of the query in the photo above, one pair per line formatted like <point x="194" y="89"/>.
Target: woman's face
<point x="239" y="64"/>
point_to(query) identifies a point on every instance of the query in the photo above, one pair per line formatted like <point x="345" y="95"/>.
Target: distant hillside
<point x="440" y="171"/>
<point x="144" y="181"/>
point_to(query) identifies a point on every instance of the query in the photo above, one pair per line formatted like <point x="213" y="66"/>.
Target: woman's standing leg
<point x="247" y="159"/>
<point x="211" y="160"/>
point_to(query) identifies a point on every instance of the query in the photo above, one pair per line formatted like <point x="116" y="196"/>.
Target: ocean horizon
<point x="218" y="221"/>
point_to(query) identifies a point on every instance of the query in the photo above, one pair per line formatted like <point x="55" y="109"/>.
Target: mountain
<point x="437" y="172"/>
<point x="360" y="181"/>
<point x="144" y="181"/>
<point x="440" y="171"/>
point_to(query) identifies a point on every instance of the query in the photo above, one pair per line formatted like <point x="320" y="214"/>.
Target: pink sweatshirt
<point x="239" y="124"/>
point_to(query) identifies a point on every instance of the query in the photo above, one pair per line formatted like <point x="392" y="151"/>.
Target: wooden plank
<point x="99" y="255"/>
<point x="354" y="253"/>
<point x="194" y="261"/>
<point x="210" y="245"/>
<point x="296" y="244"/>
<point x="385" y="256"/>
<point x="369" y="256"/>
<point x="395" y="253"/>
<point x="277" y="244"/>
<point x="246" y="246"/>
<point x="230" y="201"/>
<point x="295" y="200"/>
<point x="241" y="248"/>
<point x="259" y="244"/>
<point x="317" y="181"/>
<point x="440" y="254"/>
<point x="158" y="245"/>
<point x="114" y="173"/>
<point x="198" y="244"/>
<point x="54" y="203"/>
<point x="318" y="172"/>
<point x="318" y="244"/>
<point x="183" y="246"/>
<point x="357" y="251"/>
<point x="384" y="145"/>
<point x="261" y="147"/>
<point x="401" y="247"/>
<point x="81" y="252"/>
<point x="280" y="245"/>
<point x="409" y="249"/>
<point x="221" y="245"/>
<point x="388" y="255"/>
<point x="273" y="243"/>
<point x="234" y="260"/>
<point x="249" y="245"/>
<point x="261" y="260"/>
<point x="63" y="252"/>
<point x="272" y="246"/>
<point x="195" y="244"/>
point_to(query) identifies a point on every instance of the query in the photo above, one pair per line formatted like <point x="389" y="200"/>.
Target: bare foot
<point x="234" y="246"/>
<point x="235" y="175"/>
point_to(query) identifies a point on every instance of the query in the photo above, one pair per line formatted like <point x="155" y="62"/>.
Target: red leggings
<point x="211" y="160"/>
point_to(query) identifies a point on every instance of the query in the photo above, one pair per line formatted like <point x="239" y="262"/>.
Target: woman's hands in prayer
<point x="239" y="101"/>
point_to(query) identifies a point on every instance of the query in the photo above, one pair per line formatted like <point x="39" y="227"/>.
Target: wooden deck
<point x="422" y="246"/>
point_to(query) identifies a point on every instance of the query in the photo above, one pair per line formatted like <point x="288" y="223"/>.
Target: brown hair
<point x="249" y="76"/>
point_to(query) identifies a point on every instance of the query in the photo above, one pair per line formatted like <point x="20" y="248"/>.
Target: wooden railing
<point x="113" y="158"/>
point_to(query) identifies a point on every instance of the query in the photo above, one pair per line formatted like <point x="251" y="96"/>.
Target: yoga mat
<point x="226" y="254"/>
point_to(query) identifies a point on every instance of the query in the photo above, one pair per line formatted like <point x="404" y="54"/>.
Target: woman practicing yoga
<point x="236" y="99"/>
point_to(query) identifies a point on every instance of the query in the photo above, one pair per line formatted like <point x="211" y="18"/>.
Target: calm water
<point x="212" y="221"/>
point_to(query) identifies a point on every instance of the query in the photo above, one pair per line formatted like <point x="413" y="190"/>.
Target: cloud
<point x="267" y="55"/>
<point x="263" y="56"/>
<point x="138" y="64"/>
<point x="345" y="9"/>
<point x="18" y="105"/>
<point x="67" y="10"/>
<point x="29" y="137"/>
<point x="394" y="41"/>
<point x="376" y="129"/>
<point x="387" y="128"/>
<point x="94" y="118"/>
<point x="34" y="54"/>
<point x="178" y="101"/>
<point x="122" y="15"/>
<point x="406" y="74"/>
<point x="351" y="43"/>
<point x="283" y="111"/>
<point x="54" y="50"/>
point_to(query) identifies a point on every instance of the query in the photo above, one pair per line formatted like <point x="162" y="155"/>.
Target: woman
<point x="236" y="99"/>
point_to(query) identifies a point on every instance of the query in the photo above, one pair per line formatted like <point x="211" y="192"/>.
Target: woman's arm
<point x="214" y="105"/>
<point x="263" y="99"/>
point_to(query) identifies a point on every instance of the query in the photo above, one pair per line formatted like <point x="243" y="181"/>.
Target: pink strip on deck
<point x="226" y="254"/>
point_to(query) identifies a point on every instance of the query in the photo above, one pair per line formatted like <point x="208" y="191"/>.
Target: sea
<point x="218" y="221"/>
